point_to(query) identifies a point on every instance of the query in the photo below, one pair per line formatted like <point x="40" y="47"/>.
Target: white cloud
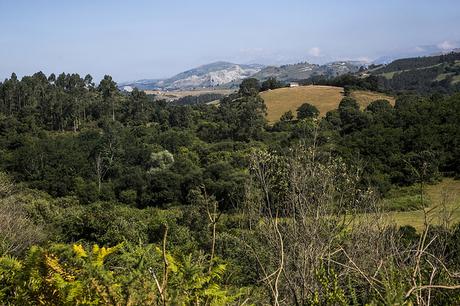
<point x="315" y="51"/>
<point x="419" y="49"/>
<point x="446" y="45"/>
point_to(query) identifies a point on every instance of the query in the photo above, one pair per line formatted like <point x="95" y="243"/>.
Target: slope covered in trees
<point x="112" y="198"/>
<point x="418" y="63"/>
<point x="429" y="74"/>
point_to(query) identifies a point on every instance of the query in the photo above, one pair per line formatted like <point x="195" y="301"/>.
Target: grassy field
<point x="444" y="200"/>
<point x="325" y="98"/>
<point x="364" y="97"/>
<point x="281" y="100"/>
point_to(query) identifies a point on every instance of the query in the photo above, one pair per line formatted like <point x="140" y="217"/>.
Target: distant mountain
<point x="304" y="70"/>
<point x="228" y="75"/>
<point x="426" y="74"/>
<point x="287" y="72"/>
<point x="426" y="50"/>
<point x="418" y="63"/>
<point x="146" y="84"/>
<point x="210" y="75"/>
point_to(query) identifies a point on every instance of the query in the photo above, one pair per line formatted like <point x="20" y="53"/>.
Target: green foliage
<point x="271" y="83"/>
<point x="243" y="114"/>
<point x="249" y="87"/>
<point x="287" y="116"/>
<point x="98" y="166"/>
<point x="330" y="292"/>
<point x="64" y="275"/>
<point x="307" y="110"/>
<point x="405" y="199"/>
<point x="74" y="279"/>
<point x="193" y="283"/>
<point x="405" y="203"/>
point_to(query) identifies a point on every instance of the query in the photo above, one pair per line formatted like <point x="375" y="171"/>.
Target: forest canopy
<point x="116" y="198"/>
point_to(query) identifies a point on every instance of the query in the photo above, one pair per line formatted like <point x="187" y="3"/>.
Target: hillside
<point x="305" y="70"/>
<point x="228" y="75"/>
<point x="210" y="75"/>
<point x="325" y="98"/>
<point x="364" y="97"/>
<point x="205" y="76"/>
<point x="131" y="175"/>
<point x="428" y="74"/>
<point x="418" y="63"/>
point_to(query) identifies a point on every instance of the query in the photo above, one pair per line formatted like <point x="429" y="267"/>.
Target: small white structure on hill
<point x="293" y="84"/>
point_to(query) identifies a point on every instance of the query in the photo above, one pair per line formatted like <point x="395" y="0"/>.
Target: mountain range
<point x="228" y="75"/>
<point x="206" y="76"/>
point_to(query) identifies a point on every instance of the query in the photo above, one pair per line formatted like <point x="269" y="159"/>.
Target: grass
<point x="456" y="79"/>
<point x="408" y="202"/>
<point x="364" y="97"/>
<point x="325" y="98"/>
<point x="389" y="75"/>
<point x="281" y="100"/>
<point x="444" y="200"/>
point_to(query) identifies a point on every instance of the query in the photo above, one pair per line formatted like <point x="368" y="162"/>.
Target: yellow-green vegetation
<point x="456" y="79"/>
<point x="444" y="205"/>
<point x="365" y="97"/>
<point x="281" y="100"/>
<point x="389" y="75"/>
<point x="325" y="98"/>
<point x="443" y="76"/>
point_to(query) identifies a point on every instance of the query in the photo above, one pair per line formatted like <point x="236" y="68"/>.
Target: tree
<point x="379" y="106"/>
<point x="307" y="110"/>
<point x="108" y="89"/>
<point x="244" y="115"/>
<point x="135" y="108"/>
<point x="287" y="116"/>
<point x="351" y="117"/>
<point x="271" y="83"/>
<point x="348" y="103"/>
<point x="105" y="153"/>
<point x="249" y="87"/>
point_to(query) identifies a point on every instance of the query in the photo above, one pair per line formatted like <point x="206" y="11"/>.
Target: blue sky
<point x="152" y="39"/>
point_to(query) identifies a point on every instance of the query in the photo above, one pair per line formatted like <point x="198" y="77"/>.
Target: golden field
<point x="281" y="100"/>
<point x="325" y="98"/>
<point x="364" y="97"/>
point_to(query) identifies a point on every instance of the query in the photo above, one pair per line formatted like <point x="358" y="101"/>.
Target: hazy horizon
<point x="151" y="39"/>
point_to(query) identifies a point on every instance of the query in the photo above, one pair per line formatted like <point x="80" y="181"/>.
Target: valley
<point x="230" y="153"/>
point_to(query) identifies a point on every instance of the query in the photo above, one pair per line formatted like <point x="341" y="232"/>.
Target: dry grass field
<point x="281" y="100"/>
<point x="366" y="97"/>
<point x="325" y="98"/>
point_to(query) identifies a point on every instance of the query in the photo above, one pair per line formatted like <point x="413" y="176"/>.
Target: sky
<point x="140" y="39"/>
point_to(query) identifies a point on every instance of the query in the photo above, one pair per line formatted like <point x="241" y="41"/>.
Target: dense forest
<point x="419" y="75"/>
<point x="419" y="62"/>
<point x="115" y="198"/>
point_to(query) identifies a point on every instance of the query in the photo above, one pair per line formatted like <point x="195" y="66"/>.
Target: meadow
<point x="443" y="206"/>
<point x="325" y="98"/>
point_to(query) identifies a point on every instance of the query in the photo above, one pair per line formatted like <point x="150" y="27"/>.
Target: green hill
<point x="422" y="74"/>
